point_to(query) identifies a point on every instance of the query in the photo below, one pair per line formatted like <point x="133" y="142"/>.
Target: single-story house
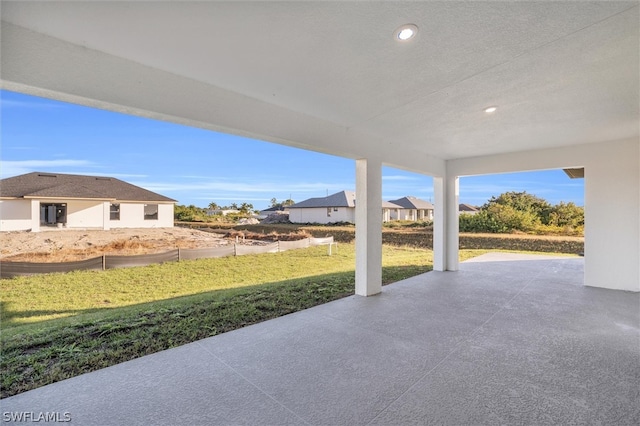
<point x="387" y="208"/>
<point x="37" y="201"/>
<point x="467" y="209"/>
<point x="412" y="208"/>
<point x="338" y="207"/>
<point x="273" y="210"/>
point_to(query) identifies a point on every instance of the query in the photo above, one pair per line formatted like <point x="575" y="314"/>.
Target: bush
<point x="481" y="222"/>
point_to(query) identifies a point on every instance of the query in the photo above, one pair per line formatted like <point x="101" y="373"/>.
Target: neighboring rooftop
<point x="58" y="185"/>
<point x="390" y="205"/>
<point x="410" y="202"/>
<point x="339" y="199"/>
<point x="467" y="208"/>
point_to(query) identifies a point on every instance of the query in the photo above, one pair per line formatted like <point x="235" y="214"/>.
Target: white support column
<point x="452" y="190"/>
<point x="368" y="227"/>
<point x="445" y="224"/>
<point x="35" y="216"/>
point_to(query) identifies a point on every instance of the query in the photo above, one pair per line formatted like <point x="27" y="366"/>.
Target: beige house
<point x="39" y="201"/>
<point x="412" y="208"/>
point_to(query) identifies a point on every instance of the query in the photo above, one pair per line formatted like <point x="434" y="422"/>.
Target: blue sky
<point x="196" y="166"/>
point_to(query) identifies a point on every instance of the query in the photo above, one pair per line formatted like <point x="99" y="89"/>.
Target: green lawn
<point x="61" y="325"/>
<point x="57" y="326"/>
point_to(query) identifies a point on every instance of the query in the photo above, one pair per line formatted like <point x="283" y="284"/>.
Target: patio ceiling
<point x="329" y="76"/>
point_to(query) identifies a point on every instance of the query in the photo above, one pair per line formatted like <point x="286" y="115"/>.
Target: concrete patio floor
<point x="509" y="339"/>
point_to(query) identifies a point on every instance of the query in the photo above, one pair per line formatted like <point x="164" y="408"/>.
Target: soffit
<point x="561" y="73"/>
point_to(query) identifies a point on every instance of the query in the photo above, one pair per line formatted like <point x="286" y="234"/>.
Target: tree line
<point x="523" y="212"/>
<point x="192" y="213"/>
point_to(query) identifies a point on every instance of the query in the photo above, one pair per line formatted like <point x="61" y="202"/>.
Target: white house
<point x="338" y="207"/>
<point x="412" y="208"/>
<point x="38" y="201"/>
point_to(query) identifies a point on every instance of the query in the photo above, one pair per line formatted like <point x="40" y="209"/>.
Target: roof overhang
<point x="575" y="173"/>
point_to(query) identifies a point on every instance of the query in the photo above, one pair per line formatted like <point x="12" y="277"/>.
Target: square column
<point x="368" y="227"/>
<point x="445" y="223"/>
<point x="35" y="215"/>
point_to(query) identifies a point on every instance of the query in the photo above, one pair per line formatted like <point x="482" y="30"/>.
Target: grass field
<point x="61" y="325"/>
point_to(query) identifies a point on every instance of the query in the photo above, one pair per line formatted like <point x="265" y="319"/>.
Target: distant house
<point x="338" y="207"/>
<point x="223" y="212"/>
<point x="273" y="210"/>
<point x="387" y="208"/>
<point x="467" y="209"/>
<point x="411" y="208"/>
<point x="38" y="201"/>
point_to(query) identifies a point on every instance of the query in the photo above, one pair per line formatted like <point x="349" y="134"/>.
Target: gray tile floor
<point x="509" y="339"/>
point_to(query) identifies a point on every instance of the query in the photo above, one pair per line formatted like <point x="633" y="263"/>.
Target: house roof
<point x="275" y="209"/>
<point x="339" y="199"/>
<point x="410" y="202"/>
<point x="467" y="208"/>
<point x="58" y="185"/>
<point x="390" y="205"/>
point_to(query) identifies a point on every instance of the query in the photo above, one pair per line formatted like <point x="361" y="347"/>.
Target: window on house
<point x="114" y="212"/>
<point x="335" y="209"/>
<point x="150" y="212"/>
<point x="328" y="211"/>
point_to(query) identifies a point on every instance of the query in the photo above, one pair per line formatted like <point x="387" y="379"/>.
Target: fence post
<point x="178" y="254"/>
<point x="235" y="249"/>
<point x="104" y="262"/>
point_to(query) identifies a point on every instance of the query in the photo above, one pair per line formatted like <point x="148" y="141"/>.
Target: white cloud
<point x="14" y="168"/>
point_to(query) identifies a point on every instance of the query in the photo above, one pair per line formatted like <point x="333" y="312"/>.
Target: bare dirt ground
<point x="68" y="245"/>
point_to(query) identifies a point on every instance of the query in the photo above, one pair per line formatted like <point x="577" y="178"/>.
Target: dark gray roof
<point x="275" y="209"/>
<point x="57" y="185"/>
<point x="467" y="208"/>
<point x="339" y="199"/>
<point x="413" y="203"/>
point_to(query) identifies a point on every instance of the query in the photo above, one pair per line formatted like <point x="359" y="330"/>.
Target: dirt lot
<point x="68" y="245"/>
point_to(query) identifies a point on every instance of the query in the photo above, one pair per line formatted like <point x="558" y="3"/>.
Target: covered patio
<point x="476" y="88"/>
<point x="508" y="339"/>
<point x="496" y="341"/>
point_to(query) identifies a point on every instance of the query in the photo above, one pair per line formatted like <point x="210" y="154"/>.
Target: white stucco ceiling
<point x="561" y="73"/>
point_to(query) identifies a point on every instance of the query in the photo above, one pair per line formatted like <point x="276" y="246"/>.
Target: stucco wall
<point x="612" y="202"/>
<point x="319" y="215"/>
<point x="15" y="215"/>
<point x="132" y="216"/>
<point x="85" y="214"/>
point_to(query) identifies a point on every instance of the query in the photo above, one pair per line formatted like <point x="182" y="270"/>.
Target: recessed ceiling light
<point x="489" y="110"/>
<point x="405" y="32"/>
